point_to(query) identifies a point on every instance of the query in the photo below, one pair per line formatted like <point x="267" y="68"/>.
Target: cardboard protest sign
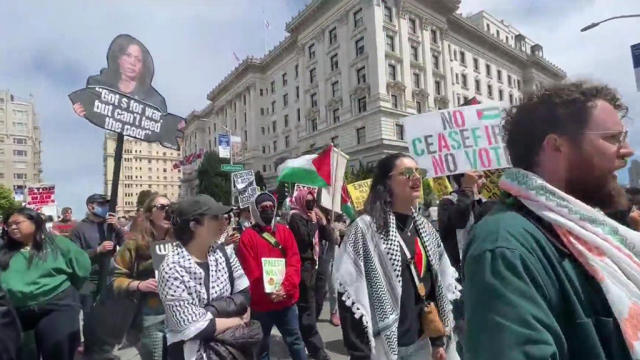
<point x="121" y="98"/>
<point x="458" y="140"/>
<point x="159" y="250"/>
<point x="245" y="184"/>
<point x="359" y="191"/>
<point x="491" y="189"/>
<point x="273" y="270"/>
<point x="440" y="186"/>
<point x="40" y="196"/>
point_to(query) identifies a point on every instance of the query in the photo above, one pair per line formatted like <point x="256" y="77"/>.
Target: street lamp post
<point x="592" y="25"/>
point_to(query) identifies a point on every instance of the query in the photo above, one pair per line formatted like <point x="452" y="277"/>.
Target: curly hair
<point x="562" y="109"/>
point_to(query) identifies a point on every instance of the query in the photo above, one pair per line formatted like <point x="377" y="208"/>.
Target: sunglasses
<point x="409" y="173"/>
<point x="161" y="207"/>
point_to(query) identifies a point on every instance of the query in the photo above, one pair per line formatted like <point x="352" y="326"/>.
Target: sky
<point x="50" y="48"/>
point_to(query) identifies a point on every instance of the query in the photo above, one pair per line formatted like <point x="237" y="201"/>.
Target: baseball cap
<point x="97" y="198"/>
<point x="198" y="205"/>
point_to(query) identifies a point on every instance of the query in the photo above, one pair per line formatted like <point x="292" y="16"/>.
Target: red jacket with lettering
<point x="250" y="251"/>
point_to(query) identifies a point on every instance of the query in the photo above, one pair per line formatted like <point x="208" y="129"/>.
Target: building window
<point x="297" y="92"/>
<point x="334" y="141"/>
<point x="500" y="95"/>
<point x="335" y="89"/>
<point x="488" y="70"/>
<point x="499" y="75"/>
<point x="416" y="80"/>
<point x="336" y="116"/>
<point x="464" y="81"/>
<point x="434" y="36"/>
<point x="457" y="78"/>
<point x="510" y="99"/>
<point x="509" y="82"/>
<point x="312" y="51"/>
<point x="490" y="90"/>
<point x="498" y="33"/>
<point x="264" y="149"/>
<point x="314" y="125"/>
<point x="419" y="107"/>
<point x="274" y="125"/>
<point x="477" y="84"/>
<point x="20" y="153"/>
<point x="285" y="100"/>
<point x="20" y="176"/>
<point x="399" y="131"/>
<point x="392" y="72"/>
<point x="334" y="62"/>
<point x="298" y="114"/>
<point x="284" y="79"/>
<point x="312" y="75"/>
<point x="286" y="142"/>
<point x="518" y="84"/>
<point x="264" y="168"/>
<point x="436" y="61"/>
<point x="438" y="87"/>
<point x="361" y="75"/>
<point x="273" y="87"/>
<point x="286" y="120"/>
<point x="333" y="36"/>
<point x="273" y="107"/>
<point x="360" y="46"/>
<point x="362" y="104"/>
<point x="388" y="13"/>
<point x="463" y="58"/>
<point x="262" y="111"/>
<point x="314" y="100"/>
<point x="390" y="43"/>
<point x="358" y="19"/>
<point x="20" y="141"/>
<point x="361" y="135"/>
<point x="412" y="26"/>
<point x="414" y="53"/>
<point x="476" y="65"/>
<point x="394" y="101"/>
<point x="275" y="146"/>
<point x="296" y="71"/>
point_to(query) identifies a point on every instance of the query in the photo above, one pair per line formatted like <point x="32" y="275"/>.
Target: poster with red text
<point x="457" y="140"/>
<point x="40" y="196"/>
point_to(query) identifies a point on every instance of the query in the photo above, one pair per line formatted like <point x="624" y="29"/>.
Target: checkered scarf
<point x="367" y="270"/>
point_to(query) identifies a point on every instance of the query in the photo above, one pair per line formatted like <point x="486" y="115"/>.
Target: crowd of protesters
<point x="547" y="271"/>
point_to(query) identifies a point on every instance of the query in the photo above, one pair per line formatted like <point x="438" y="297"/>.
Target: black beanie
<point x="264" y="197"/>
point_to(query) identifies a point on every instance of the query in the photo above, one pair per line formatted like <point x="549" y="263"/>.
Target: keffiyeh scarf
<point x="367" y="270"/>
<point x="609" y="251"/>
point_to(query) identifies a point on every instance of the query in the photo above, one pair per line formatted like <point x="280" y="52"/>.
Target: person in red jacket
<point x="272" y="304"/>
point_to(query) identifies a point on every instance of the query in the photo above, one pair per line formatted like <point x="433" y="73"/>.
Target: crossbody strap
<point x="273" y="241"/>
<point x="414" y="272"/>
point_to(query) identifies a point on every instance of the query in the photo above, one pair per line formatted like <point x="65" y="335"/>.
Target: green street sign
<point x="232" y="168"/>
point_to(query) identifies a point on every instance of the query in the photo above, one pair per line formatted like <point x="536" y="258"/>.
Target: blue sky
<point x="49" y="49"/>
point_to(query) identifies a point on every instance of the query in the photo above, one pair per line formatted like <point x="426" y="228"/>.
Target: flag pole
<point x="334" y="170"/>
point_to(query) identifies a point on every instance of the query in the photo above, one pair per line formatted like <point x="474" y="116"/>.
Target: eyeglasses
<point x="617" y="138"/>
<point x="9" y="225"/>
<point x="161" y="207"/>
<point x="409" y="173"/>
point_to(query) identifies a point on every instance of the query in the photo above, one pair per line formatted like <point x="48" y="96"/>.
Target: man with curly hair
<point x="547" y="274"/>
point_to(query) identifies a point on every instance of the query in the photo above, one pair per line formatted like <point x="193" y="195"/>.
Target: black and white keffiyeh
<point x="367" y="270"/>
<point x="181" y="288"/>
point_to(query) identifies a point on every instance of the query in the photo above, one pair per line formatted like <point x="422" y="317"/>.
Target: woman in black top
<point x="390" y="266"/>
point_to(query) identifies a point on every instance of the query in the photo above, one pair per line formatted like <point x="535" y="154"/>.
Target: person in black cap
<point x="201" y="283"/>
<point x="91" y="235"/>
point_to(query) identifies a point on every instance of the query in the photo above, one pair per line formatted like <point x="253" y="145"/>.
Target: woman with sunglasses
<point x="134" y="276"/>
<point x="41" y="273"/>
<point x="394" y="279"/>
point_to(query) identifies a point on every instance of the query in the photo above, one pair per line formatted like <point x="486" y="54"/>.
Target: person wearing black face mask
<point x="272" y="304"/>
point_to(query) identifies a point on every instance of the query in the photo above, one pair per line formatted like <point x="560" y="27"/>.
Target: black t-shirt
<point x="204" y="265"/>
<point x="411" y="304"/>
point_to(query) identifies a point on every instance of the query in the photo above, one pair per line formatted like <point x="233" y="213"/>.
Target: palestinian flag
<point x="347" y="208"/>
<point x="420" y="258"/>
<point x="312" y="170"/>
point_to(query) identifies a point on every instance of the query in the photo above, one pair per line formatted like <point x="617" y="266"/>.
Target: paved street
<point x="330" y="334"/>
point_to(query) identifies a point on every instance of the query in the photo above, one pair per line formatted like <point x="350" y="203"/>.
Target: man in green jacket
<point x="528" y="293"/>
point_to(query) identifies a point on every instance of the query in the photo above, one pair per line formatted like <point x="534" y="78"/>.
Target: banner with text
<point x="359" y="192"/>
<point x="458" y="140"/>
<point x="122" y="99"/>
<point x="440" y="186"/>
<point x="40" y="196"/>
<point x="224" y="146"/>
<point x="245" y="184"/>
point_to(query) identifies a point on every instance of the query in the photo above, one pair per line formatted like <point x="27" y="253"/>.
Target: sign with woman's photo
<point x="121" y="98"/>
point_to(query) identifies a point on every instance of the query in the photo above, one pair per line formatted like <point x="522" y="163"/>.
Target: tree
<point x="213" y="181"/>
<point x="260" y="183"/>
<point x="362" y="173"/>
<point x="429" y="197"/>
<point x="143" y="196"/>
<point x="7" y="203"/>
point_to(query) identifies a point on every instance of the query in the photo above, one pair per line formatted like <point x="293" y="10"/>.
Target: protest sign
<point x="159" y="250"/>
<point x="359" y="191"/>
<point x="245" y="184"/>
<point x="298" y="187"/>
<point x="121" y="98"/>
<point x="273" y="270"/>
<point x="224" y="146"/>
<point x="491" y="189"/>
<point x="458" y="140"/>
<point x="40" y="196"/>
<point x="440" y="186"/>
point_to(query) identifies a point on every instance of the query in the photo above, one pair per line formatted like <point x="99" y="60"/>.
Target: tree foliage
<point x="359" y="174"/>
<point x="213" y="181"/>
<point x="7" y="202"/>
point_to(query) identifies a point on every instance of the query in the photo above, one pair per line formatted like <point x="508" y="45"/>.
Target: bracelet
<point x="138" y="286"/>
